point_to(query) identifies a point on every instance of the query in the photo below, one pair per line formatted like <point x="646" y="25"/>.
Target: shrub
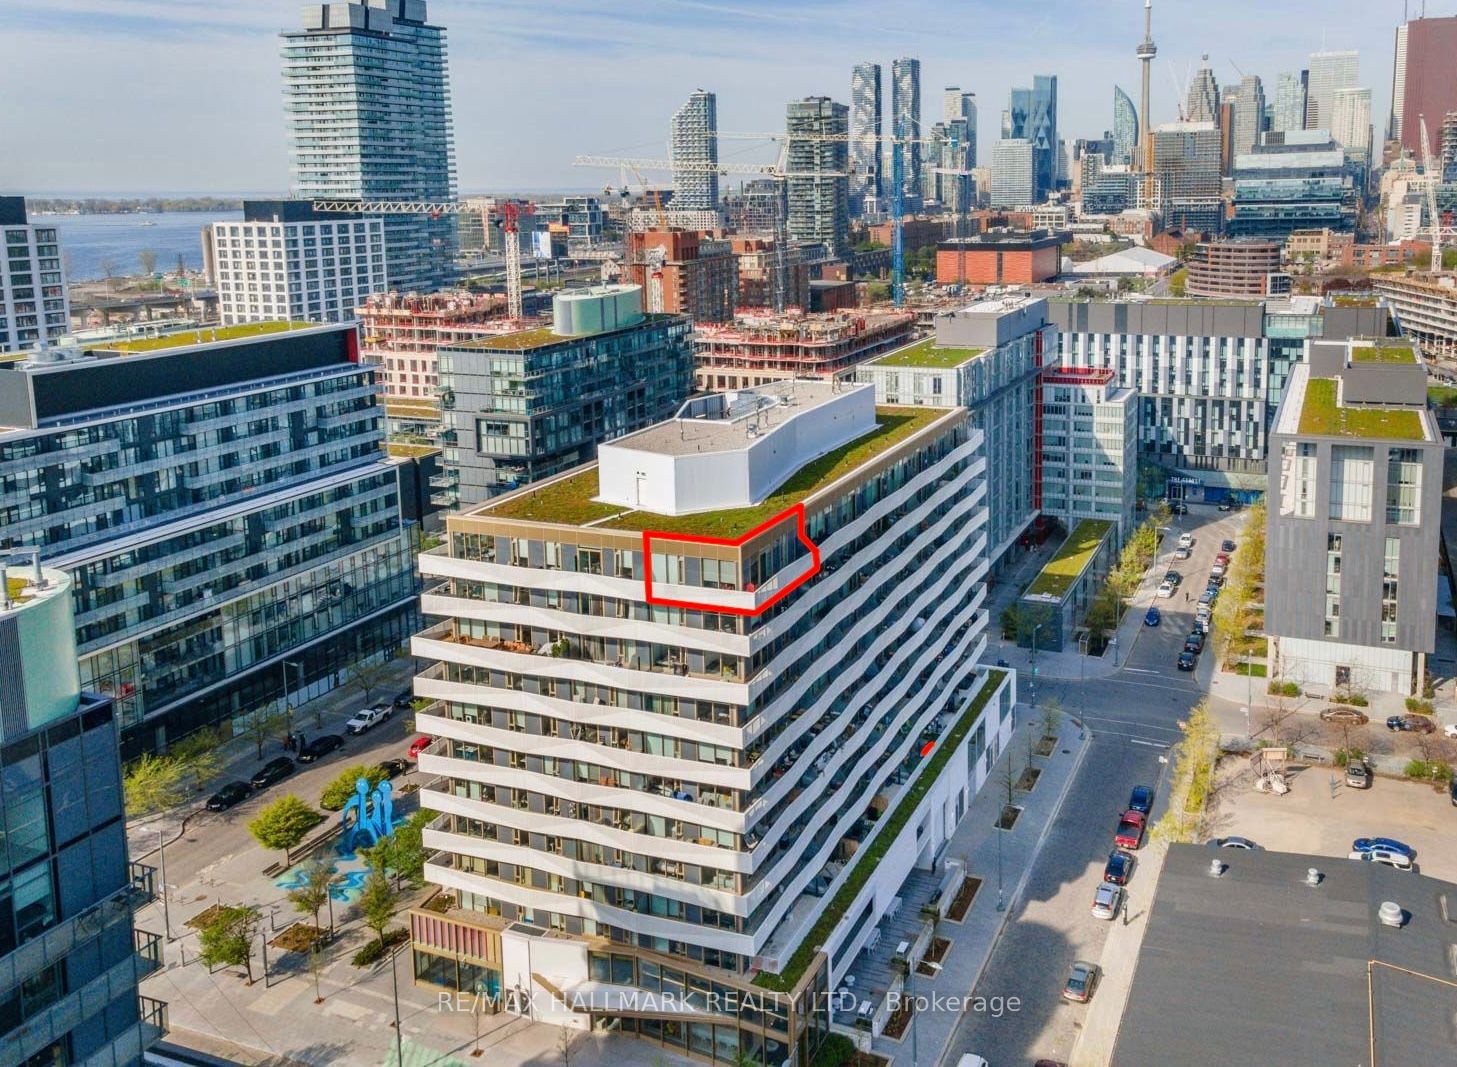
<point x="1355" y="700"/>
<point x="1419" y="707"/>
<point x="1344" y="756"/>
<point x="337" y="793"/>
<point x="836" y="1050"/>
<point x="374" y="951"/>
<point x="1440" y="771"/>
<point x="1283" y="689"/>
<point x="1256" y="669"/>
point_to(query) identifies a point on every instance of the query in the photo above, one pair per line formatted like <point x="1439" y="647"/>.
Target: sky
<point x="170" y="96"/>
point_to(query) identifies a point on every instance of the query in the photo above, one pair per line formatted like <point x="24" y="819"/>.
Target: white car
<point x="371" y="716"/>
<point x="1399" y="860"/>
<point x="1186" y="540"/>
<point x="1183" y="553"/>
<point x="1106" y="900"/>
<point x="1450" y="729"/>
<point x="1166" y="590"/>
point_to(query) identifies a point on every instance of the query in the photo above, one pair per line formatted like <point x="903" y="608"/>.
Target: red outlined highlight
<point x="796" y="510"/>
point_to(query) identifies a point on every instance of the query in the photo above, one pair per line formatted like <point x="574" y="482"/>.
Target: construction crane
<point x="511" y="213"/>
<point x="1433" y="170"/>
<point x="961" y="198"/>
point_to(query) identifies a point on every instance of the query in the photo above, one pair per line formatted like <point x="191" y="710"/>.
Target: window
<point x="1297" y="480"/>
<point x="1333" y="585"/>
<point x="1350" y="482"/>
<point x="1404" y="486"/>
<point x="1390" y="572"/>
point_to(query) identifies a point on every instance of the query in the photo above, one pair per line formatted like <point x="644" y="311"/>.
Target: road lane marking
<point x="1144" y="741"/>
<point x="1128" y="722"/>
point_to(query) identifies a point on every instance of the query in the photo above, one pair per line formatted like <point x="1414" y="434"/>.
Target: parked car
<point x="1201" y="624"/>
<point x="1216" y="571"/>
<point x="1130" y="830"/>
<point x="368" y="717"/>
<point x="1173" y="577"/>
<point x="1216" y="581"/>
<point x="1152" y="618"/>
<point x="1234" y="842"/>
<point x="1227" y="505"/>
<point x="1106" y="900"/>
<point x="1452" y="791"/>
<point x="393" y="768"/>
<point x="1186" y="540"/>
<point x="1141" y="799"/>
<point x="1202" y="613"/>
<point x="1212" y="591"/>
<point x="1081" y="981"/>
<point x="1226" y="545"/>
<point x="1383" y="844"/>
<point x="420" y="744"/>
<point x="1222" y="560"/>
<point x="1187" y="660"/>
<point x="971" y="1059"/>
<point x="228" y="795"/>
<point x="1358" y="775"/>
<point x="1165" y="590"/>
<point x="1395" y="860"/>
<point x="1207" y="597"/>
<point x="320" y="747"/>
<point x="1194" y="642"/>
<point x="404" y="700"/>
<point x="1183" y="553"/>
<point x="1119" y="867"/>
<point x="1450" y="730"/>
<point x="273" y="771"/>
<point x="1416" y="724"/>
<point x="1345" y="716"/>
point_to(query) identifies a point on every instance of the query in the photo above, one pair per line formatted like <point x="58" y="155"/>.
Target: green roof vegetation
<point x="205" y="335"/>
<point x="1321" y="415"/>
<point x="569" y="501"/>
<point x="927" y="354"/>
<point x="404" y="450"/>
<point x="1442" y="396"/>
<point x="1383" y="351"/>
<point x="520" y="341"/>
<point x="868" y="856"/>
<point x="1062" y="570"/>
<point x="13" y="586"/>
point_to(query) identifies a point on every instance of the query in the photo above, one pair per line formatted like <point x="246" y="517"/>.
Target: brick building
<point x="700" y="274"/>
<point x="1248" y="267"/>
<point x="999" y="257"/>
<point x="760" y="349"/>
<point x="757" y="265"/>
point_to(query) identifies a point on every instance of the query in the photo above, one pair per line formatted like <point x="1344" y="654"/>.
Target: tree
<point x="283" y="824"/>
<point x="313" y="893"/>
<point x="227" y="939"/>
<point x="153" y="783"/>
<point x="337" y="793"/>
<point x="316" y="968"/>
<point x="377" y="904"/>
<point x="264" y="725"/>
<point x="147" y="260"/>
<point x="1192" y="778"/>
<point x="197" y="755"/>
<point x="108" y="270"/>
<point x="368" y="676"/>
<point x="1102" y="616"/>
<point x="402" y="853"/>
<point x="1051" y="717"/>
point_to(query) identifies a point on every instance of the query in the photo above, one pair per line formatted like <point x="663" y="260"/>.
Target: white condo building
<point x="34" y="304"/>
<point x="708" y="772"/>
<point x="287" y="261"/>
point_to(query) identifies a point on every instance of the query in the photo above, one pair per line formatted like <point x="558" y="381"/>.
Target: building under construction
<point x="759" y="349"/>
<point x="759" y="267"/>
<point x="685" y="273"/>
<point x="401" y="334"/>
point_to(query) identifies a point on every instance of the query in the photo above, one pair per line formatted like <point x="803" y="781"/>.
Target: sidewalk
<point x="977" y="843"/>
<point x="239" y="755"/>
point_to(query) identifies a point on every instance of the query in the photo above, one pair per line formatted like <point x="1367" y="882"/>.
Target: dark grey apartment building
<point x="221" y="502"/>
<point x="1354" y="520"/>
<point x="522" y="406"/>
<point x="70" y="958"/>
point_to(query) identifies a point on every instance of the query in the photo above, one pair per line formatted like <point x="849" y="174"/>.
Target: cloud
<point x="535" y="82"/>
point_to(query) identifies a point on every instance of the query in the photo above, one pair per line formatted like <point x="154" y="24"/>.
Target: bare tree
<point x="147" y="260"/>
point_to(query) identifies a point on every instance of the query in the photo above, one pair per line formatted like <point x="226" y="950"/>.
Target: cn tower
<point x="1146" y="51"/>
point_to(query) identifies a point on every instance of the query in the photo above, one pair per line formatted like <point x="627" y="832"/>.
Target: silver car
<point x="1106" y="900"/>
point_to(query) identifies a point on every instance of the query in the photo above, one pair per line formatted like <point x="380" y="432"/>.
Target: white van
<point x="971" y="1059"/>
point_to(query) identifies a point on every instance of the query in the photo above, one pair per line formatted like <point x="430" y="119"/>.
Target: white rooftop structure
<point x="732" y="449"/>
<point x="1136" y="261"/>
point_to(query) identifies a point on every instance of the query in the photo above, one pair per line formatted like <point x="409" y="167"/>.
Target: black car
<point x="1194" y="643"/>
<point x="272" y="771"/>
<point x="1186" y="661"/>
<point x="228" y="795"/>
<point x="393" y="768"/>
<point x="1119" y="868"/>
<point x="1141" y="799"/>
<point x="320" y="747"/>
<point x="1227" y="505"/>
<point x="1226" y="545"/>
<point x="1173" y="577"/>
<point x="1452" y="791"/>
<point x="1215" y="581"/>
<point x="404" y="700"/>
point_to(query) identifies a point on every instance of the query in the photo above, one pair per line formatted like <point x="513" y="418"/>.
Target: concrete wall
<point x="975" y="328"/>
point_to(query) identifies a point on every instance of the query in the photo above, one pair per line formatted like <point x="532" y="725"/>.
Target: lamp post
<point x="162" y="863"/>
<point x="395" y="982"/>
<point x="288" y="704"/>
<point x="1249" y="683"/>
<point x="1035" y="630"/>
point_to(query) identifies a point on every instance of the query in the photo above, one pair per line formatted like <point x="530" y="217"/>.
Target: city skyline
<point x="602" y="99"/>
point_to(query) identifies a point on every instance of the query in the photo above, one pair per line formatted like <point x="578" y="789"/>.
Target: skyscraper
<point x="1398" y="85"/>
<point x="1125" y="128"/>
<point x="905" y="103"/>
<point x="1203" y="102"/>
<point x="694" y="141"/>
<point x="1289" y="111"/>
<point x="958" y="105"/>
<point x="1031" y="116"/>
<point x="865" y="143"/>
<point x="1186" y="161"/>
<point x="1329" y="71"/>
<point x="34" y="305"/>
<point x="1249" y="114"/>
<point x="818" y="183"/>
<point x="1351" y="121"/>
<point x="369" y="118"/>
<point x="1425" y="81"/>
<point x="1014" y="173"/>
<point x="1145" y="51"/>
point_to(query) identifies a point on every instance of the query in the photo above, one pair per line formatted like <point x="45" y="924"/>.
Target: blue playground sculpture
<point x="371" y="820"/>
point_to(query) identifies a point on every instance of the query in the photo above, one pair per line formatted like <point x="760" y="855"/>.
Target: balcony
<point x="148" y="947"/>
<point x="143" y="884"/>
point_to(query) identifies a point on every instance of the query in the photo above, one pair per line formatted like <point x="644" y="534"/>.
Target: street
<point x="1132" y="715"/>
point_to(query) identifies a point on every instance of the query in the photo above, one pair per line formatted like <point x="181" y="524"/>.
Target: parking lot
<point x="1320" y="818"/>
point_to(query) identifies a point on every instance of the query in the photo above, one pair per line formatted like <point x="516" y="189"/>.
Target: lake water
<point x="88" y="241"/>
